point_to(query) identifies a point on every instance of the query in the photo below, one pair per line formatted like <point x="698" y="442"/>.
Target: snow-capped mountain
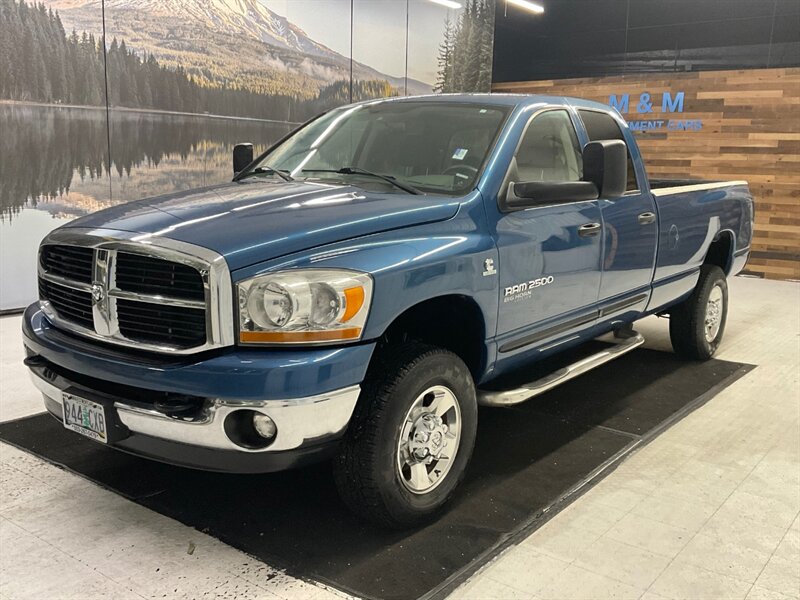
<point x="241" y="17"/>
<point x="231" y="41"/>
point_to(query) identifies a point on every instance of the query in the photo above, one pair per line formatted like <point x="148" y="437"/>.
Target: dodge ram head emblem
<point x="98" y="293"/>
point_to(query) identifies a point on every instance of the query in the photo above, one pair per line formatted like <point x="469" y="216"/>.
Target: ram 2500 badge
<point x="359" y="289"/>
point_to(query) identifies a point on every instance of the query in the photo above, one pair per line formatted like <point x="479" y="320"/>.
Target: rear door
<point x="630" y="227"/>
<point x="549" y="260"/>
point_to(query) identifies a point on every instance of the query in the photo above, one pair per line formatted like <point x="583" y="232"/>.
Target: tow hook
<point x="34" y="360"/>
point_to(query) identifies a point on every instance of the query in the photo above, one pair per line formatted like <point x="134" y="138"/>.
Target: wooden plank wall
<point x="750" y="130"/>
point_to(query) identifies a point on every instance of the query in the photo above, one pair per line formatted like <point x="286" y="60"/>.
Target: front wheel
<point x="410" y="437"/>
<point x="697" y="324"/>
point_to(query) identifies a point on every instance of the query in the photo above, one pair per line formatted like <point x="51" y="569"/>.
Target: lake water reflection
<point x="54" y="167"/>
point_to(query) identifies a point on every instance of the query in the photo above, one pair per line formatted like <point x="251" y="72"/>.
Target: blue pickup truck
<point x="357" y="291"/>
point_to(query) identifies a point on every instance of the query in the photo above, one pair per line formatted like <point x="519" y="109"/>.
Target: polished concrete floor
<point x="707" y="510"/>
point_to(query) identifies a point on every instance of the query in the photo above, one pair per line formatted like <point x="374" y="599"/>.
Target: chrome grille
<point x="68" y="261"/>
<point x="145" y="275"/>
<point x="174" y="325"/>
<point x="155" y="294"/>
<point x="69" y="303"/>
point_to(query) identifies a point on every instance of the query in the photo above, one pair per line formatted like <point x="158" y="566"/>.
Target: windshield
<point x="418" y="146"/>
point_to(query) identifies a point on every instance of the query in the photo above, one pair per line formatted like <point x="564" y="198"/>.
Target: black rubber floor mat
<point x="526" y="459"/>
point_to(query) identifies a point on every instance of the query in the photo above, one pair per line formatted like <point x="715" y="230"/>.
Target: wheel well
<point x="720" y="252"/>
<point x="451" y="322"/>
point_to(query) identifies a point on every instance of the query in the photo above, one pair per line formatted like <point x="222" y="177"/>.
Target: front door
<point x="629" y="222"/>
<point x="549" y="256"/>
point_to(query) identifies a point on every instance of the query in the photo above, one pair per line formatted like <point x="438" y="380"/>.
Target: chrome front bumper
<point x="300" y="421"/>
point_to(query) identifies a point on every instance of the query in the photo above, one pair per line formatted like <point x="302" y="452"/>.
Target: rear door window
<point x="602" y="126"/>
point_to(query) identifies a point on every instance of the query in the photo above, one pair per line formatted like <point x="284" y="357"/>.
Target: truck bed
<point x="657" y="184"/>
<point x="665" y="187"/>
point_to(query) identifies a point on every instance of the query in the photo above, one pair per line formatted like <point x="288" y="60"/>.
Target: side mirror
<point x="605" y="164"/>
<point x="242" y="156"/>
<point x="535" y="193"/>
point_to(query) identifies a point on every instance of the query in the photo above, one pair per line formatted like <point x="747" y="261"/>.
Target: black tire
<point x="687" y="321"/>
<point x="366" y="470"/>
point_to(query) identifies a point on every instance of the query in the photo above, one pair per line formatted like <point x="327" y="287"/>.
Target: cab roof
<point x="500" y="99"/>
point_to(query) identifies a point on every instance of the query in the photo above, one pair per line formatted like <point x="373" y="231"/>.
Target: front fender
<point x="412" y="265"/>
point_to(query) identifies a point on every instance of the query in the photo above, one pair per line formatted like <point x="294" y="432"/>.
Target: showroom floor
<point x="707" y="510"/>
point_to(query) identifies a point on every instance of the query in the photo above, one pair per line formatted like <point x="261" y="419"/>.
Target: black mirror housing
<point x="605" y="164"/>
<point x="242" y="156"/>
<point x="535" y="193"/>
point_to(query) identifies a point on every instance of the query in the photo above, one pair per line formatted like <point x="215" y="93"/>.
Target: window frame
<point x="507" y="179"/>
<point x="507" y="111"/>
<point x="578" y="109"/>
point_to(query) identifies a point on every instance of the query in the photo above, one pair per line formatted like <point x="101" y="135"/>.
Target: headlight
<point x="304" y="306"/>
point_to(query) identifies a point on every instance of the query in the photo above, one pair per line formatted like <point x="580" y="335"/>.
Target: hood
<point x="252" y="221"/>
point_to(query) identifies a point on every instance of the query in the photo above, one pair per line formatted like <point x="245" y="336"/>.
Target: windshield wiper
<point x="360" y="171"/>
<point x="267" y="169"/>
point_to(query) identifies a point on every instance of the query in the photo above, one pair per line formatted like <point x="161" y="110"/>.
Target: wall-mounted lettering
<point x="669" y="102"/>
<point x="647" y="103"/>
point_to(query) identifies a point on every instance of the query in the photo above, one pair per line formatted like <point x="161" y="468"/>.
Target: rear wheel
<point x="410" y="438"/>
<point x="696" y="325"/>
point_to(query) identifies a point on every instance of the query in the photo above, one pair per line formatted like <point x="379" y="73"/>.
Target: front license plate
<point x="85" y="417"/>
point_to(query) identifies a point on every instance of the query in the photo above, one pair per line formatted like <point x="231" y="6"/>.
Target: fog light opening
<point x="265" y="427"/>
<point x="250" y="429"/>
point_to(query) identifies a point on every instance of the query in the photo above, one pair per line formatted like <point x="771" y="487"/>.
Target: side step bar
<point x="534" y="388"/>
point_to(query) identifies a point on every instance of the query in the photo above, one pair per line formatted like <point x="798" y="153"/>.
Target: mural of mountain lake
<point x="54" y="167"/>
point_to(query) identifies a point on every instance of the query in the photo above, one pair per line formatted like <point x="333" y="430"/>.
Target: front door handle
<point x="647" y="218"/>
<point x="589" y="229"/>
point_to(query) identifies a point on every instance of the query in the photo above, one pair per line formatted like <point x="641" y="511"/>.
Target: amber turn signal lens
<point x="290" y="337"/>
<point x="354" y="300"/>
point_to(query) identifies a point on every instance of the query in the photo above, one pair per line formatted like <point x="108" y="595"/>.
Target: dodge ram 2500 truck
<point x="360" y="288"/>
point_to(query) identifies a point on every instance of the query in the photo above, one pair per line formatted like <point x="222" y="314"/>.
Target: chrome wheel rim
<point x="429" y="439"/>
<point x="714" y="309"/>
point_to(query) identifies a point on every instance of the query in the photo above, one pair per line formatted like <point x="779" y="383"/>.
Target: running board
<point x="534" y="388"/>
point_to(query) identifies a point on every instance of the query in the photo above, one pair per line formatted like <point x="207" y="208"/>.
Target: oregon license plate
<point x="85" y="417"/>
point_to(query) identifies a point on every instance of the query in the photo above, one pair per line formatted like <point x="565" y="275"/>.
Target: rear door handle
<point x="647" y="218"/>
<point x="589" y="229"/>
